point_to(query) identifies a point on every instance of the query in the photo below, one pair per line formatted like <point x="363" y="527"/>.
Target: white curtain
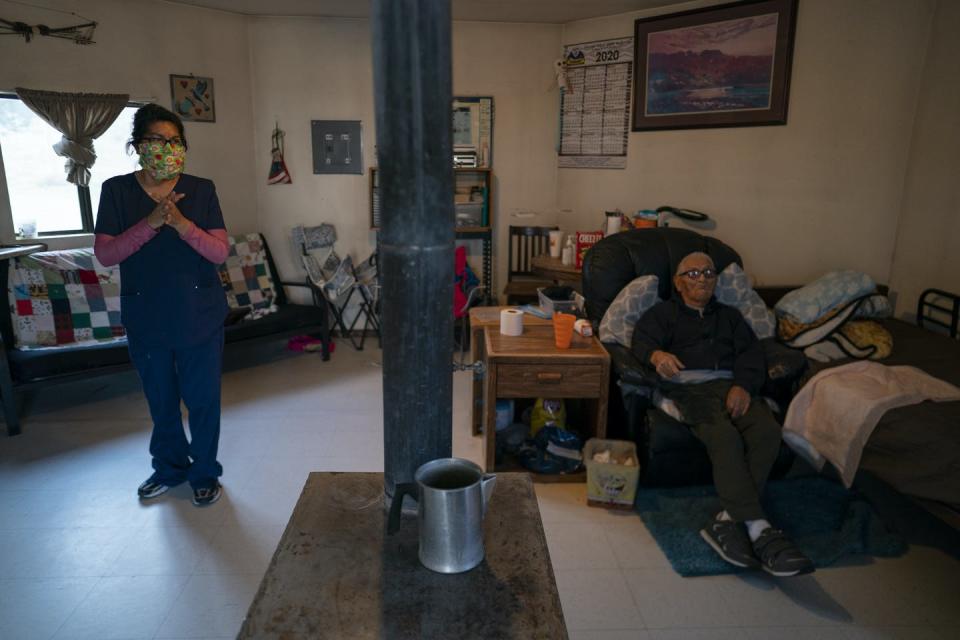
<point x="81" y="118"/>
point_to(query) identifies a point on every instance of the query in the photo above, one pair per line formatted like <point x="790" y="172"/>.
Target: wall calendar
<point x="595" y="104"/>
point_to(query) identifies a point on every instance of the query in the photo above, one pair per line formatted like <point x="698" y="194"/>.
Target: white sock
<point x="723" y="515"/>
<point x="756" y="527"/>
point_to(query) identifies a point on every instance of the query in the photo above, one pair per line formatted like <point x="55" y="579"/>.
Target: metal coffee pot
<point x="452" y="496"/>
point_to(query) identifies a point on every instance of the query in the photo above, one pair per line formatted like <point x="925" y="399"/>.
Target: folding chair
<point x="337" y="281"/>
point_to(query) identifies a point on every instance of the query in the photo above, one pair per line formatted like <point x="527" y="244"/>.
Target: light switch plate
<point x="337" y="146"/>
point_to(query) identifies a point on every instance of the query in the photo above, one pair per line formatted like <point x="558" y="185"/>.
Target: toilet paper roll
<point x="511" y="322"/>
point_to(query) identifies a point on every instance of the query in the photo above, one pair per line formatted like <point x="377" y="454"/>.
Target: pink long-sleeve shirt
<point x="111" y="250"/>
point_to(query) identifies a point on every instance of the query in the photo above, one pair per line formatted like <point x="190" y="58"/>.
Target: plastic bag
<point x="552" y="451"/>
<point x="547" y="412"/>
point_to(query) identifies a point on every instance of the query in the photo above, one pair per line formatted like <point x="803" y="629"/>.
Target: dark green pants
<point x="742" y="451"/>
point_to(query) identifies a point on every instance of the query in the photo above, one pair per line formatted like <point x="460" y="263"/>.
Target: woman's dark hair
<point x="146" y="116"/>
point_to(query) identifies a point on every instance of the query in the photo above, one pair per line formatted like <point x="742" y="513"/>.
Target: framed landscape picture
<point x="721" y="66"/>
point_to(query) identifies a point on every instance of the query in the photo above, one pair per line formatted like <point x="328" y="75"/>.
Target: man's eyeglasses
<point x="176" y="142"/>
<point x="694" y="274"/>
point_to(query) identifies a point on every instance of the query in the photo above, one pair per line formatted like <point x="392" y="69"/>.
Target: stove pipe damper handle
<point x="396" y="505"/>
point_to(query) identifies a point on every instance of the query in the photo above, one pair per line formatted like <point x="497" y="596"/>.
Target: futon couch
<point x="63" y="317"/>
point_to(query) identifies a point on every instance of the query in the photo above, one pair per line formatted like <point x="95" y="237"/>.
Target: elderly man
<point x="712" y="366"/>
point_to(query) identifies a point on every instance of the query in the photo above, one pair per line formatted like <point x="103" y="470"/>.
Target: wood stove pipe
<point x="412" y="96"/>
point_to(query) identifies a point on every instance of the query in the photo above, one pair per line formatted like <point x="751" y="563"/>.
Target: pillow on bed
<point x="810" y="303"/>
<point x="625" y="310"/>
<point x="733" y="289"/>
<point x="876" y="306"/>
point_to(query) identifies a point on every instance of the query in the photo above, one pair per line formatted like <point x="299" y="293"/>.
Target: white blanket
<point x="834" y="414"/>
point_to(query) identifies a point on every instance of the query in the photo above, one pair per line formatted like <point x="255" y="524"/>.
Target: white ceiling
<point x="544" y="11"/>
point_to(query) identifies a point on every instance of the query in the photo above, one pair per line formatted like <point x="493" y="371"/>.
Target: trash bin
<point x="611" y="484"/>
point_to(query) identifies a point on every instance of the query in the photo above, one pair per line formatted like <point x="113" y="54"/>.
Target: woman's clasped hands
<point x="167" y="213"/>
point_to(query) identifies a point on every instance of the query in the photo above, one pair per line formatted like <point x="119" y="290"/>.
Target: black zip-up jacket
<point x="720" y="339"/>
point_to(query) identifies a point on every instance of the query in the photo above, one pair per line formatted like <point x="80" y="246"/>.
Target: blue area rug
<point x="825" y="520"/>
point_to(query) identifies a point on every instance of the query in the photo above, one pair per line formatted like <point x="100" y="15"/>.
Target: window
<point x="36" y="180"/>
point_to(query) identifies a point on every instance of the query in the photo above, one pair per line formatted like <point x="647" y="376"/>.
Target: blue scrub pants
<point x="193" y="374"/>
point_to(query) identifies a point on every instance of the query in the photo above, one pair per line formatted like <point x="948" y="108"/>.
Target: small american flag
<point x="279" y="174"/>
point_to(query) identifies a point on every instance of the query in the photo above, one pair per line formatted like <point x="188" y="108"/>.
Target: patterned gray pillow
<point x="876" y="306"/>
<point x="631" y="303"/>
<point x="733" y="289"/>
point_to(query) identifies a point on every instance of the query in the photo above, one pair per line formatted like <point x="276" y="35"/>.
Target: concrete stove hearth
<point x="337" y="574"/>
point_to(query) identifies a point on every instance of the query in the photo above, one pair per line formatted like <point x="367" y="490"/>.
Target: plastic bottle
<point x="567" y="254"/>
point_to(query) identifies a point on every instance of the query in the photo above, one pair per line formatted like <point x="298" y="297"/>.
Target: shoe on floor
<point x="730" y="540"/>
<point x="151" y="488"/>
<point x="205" y="496"/>
<point x="779" y="556"/>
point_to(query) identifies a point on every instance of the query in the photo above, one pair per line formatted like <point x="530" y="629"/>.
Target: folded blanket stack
<point x="830" y="318"/>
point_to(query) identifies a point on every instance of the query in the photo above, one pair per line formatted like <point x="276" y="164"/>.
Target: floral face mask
<point x="162" y="160"/>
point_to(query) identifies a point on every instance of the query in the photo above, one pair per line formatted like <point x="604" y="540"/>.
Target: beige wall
<point x="321" y="69"/>
<point x="310" y="69"/>
<point x="859" y="171"/>
<point x="820" y="193"/>
<point x="138" y="44"/>
<point x="514" y="64"/>
<point x="928" y="242"/>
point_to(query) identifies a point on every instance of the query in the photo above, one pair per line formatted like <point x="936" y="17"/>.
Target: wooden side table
<point x="480" y="319"/>
<point x="531" y="366"/>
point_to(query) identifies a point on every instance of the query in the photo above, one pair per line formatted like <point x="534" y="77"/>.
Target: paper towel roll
<point x="511" y="322"/>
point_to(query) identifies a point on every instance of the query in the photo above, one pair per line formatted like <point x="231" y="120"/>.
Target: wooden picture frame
<point x="720" y="66"/>
<point x="192" y="98"/>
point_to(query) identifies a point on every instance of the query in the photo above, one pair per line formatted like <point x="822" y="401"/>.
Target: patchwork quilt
<point x="246" y="277"/>
<point x="63" y="297"/>
<point x="67" y="297"/>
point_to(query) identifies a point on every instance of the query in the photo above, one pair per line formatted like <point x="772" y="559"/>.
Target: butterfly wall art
<point x="193" y="98"/>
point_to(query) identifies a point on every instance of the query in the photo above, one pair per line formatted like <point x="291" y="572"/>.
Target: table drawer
<point x="549" y="381"/>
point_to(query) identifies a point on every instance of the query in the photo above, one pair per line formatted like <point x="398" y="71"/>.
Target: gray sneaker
<point x="730" y="540"/>
<point x="779" y="556"/>
<point x="206" y="496"/>
<point x="151" y="488"/>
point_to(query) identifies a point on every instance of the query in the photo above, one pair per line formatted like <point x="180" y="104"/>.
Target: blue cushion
<point x="733" y="289"/>
<point x="625" y="310"/>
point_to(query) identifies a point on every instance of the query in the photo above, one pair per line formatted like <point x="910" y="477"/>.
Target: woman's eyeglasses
<point x="176" y="142"/>
<point x="694" y="274"/>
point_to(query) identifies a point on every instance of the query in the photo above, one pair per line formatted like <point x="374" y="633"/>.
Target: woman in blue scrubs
<point x="165" y="230"/>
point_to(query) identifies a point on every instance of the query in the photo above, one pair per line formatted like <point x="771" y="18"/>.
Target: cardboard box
<point x="610" y="484"/>
<point x="585" y="240"/>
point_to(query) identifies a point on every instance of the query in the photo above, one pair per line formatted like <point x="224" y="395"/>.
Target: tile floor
<point x="81" y="558"/>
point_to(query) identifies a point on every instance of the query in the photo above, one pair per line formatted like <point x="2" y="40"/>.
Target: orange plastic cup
<point x="563" y="329"/>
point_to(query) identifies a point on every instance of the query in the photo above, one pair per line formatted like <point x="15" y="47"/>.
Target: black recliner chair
<point x="669" y="453"/>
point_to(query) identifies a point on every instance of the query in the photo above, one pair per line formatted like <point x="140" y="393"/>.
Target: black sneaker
<point x="206" y="496"/>
<point x="151" y="488"/>
<point x="779" y="556"/>
<point x="730" y="540"/>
